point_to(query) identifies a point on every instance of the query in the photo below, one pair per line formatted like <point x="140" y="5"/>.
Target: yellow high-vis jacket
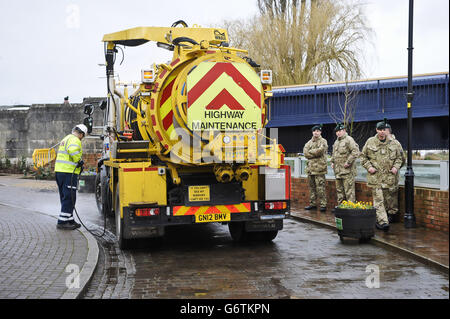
<point x="69" y="153"/>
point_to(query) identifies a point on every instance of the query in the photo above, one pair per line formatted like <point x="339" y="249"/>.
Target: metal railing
<point x="428" y="174"/>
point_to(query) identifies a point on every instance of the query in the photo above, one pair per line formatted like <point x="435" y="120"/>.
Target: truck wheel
<point x="102" y="193"/>
<point x="237" y="231"/>
<point x="107" y="202"/>
<point x="269" y="235"/>
<point x="262" y="236"/>
<point x="123" y="242"/>
<point x="98" y="193"/>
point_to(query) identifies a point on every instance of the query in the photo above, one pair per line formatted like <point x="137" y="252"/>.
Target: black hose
<point x="178" y="40"/>
<point x="73" y="204"/>
<point x="184" y="24"/>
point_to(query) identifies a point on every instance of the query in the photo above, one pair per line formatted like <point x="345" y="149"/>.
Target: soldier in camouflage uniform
<point x="392" y="200"/>
<point x="381" y="158"/>
<point x="345" y="152"/>
<point x="316" y="168"/>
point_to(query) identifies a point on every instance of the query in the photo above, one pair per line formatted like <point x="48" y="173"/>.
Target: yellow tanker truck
<point x="187" y="145"/>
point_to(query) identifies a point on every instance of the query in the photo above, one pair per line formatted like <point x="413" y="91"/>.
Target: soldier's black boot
<point x="323" y="209"/>
<point x="393" y="218"/>
<point x="310" y="207"/>
<point x="384" y="227"/>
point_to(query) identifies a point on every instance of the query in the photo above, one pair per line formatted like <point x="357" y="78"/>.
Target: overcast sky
<point x="51" y="48"/>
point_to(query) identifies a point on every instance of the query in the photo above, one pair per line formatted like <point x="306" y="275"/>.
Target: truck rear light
<point x="148" y="76"/>
<point x="143" y="212"/>
<point x="266" y="76"/>
<point x="275" y="205"/>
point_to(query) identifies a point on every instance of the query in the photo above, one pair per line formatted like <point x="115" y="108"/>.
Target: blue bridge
<point x="295" y="109"/>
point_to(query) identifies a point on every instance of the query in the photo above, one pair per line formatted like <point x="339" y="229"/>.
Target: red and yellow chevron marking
<point x="224" y="92"/>
<point x="211" y="80"/>
<point x="165" y="109"/>
<point x="200" y="210"/>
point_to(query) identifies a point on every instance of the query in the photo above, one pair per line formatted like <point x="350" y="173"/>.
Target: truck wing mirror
<point x="88" y="109"/>
<point x="88" y="121"/>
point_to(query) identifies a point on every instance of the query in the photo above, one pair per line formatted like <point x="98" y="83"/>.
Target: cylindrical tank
<point x="202" y="106"/>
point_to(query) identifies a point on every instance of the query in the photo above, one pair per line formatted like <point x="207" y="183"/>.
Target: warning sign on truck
<point x="224" y="96"/>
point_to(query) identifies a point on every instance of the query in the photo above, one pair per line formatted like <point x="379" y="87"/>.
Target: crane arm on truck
<point x="140" y="35"/>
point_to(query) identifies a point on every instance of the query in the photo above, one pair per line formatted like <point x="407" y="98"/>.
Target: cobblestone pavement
<point x="34" y="255"/>
<point x="304" y="261"/>
<point x="201" y="261"/>
<point x="114" y="276"/>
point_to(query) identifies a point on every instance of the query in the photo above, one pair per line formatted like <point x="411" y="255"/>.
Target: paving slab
<point x="39" y="261"/>
<point x="430" y="246"/>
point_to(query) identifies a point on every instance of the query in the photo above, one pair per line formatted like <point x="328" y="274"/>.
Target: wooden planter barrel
<point x="355" y="223"/>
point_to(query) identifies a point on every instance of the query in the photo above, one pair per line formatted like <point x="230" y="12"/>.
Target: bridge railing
<point x="427" y="173"/>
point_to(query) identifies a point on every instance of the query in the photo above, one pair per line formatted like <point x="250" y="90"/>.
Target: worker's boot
<point x="76" y="224"/>
<point x="66" y="226"/>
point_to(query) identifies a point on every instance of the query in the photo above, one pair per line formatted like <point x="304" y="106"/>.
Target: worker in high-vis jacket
<point x="68" y="166"/>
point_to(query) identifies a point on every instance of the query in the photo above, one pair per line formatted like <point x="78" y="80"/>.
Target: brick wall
<point x="90" y="160"/>
<point x="430" y="205"/>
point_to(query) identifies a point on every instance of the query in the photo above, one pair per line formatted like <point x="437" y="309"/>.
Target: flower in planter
<point x="89" y="172"/>
<point x="358" y="205"/>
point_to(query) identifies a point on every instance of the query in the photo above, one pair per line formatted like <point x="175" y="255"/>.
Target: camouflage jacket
<point x="401" y="152"/>
<point x="400" y="148"/>
<point x="382" y="156"/>
<point x="345" y="151"/>
<point x="316" y="153"/>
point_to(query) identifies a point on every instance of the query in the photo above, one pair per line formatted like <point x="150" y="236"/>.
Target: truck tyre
<point x="269" y="235"/>
<point x="98" y="193"/>
<point x="262" y="236"/>
<point x="107" y="202"/>
<point x="237" y="231"/>
<point x="123" y="242"/>
<point x="102" y="193"/>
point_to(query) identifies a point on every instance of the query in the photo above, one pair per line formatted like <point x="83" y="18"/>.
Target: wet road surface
<point x="201" y="261"/>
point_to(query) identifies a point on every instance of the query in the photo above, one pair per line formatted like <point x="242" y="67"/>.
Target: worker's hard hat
<point x="83" y="128"/>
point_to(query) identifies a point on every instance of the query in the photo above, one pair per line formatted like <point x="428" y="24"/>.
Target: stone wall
<point x="43" y="126"/>
<point x="430" y="205"/>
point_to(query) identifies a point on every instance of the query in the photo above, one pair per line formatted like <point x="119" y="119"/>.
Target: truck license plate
<point x="213" y="217"/>
<point x="199" y="193"/>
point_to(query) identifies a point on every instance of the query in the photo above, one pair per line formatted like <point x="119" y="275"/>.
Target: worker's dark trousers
<point x="67" y="185"/>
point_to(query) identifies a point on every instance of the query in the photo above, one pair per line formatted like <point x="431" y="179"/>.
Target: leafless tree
<point x="304" y="41"/>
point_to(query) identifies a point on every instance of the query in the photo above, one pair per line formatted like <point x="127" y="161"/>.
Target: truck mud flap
<point x="264" y="225"/>
<point x="133" y="229"/>
<point x="143" y="232"/>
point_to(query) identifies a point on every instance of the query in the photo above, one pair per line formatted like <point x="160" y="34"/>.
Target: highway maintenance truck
<point x="188" y="145"/>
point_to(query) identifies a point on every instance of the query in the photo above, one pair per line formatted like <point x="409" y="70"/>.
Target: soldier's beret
<point x="339" y="127"/>
<point x="382" y="125"/>
<point x="317" y="127"/>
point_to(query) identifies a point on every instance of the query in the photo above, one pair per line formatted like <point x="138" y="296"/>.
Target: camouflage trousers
<point x="382" y="201"/>
<point x="392" y="201"/>
<point x="345" y="189"/>
<point x="317" y="190"/>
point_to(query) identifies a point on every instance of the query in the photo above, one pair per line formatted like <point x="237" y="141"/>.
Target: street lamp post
<point x="410" y="219"/>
